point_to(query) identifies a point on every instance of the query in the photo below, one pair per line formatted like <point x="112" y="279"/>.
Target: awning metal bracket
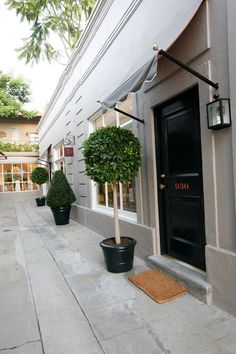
<point x="186" y="67"/>
<point x="129" y="115"/>
<point x="2" y="156"/>
<point x="125" y="113"/>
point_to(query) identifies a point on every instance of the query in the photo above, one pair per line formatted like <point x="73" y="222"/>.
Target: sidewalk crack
<point x="21" y="345"/>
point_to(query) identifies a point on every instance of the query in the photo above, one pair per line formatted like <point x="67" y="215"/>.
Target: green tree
<point x="112" y="155"/>
<point x="14" y="93"/>
<point x="65" y="19"/>
<point x="39" y="175"/>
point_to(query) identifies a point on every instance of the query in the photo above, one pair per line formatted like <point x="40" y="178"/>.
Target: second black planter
<point x="118" y="258"/>
<point x="61" y="215"/>
<point x="40" y="201"/>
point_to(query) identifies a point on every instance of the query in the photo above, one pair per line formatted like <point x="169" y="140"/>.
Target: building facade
<point x="181" y="207"/>
<point x="19" y="145"/>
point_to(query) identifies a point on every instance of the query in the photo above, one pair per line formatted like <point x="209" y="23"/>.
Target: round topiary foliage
<point x="39" y="175"/>
<point x="59" y="193"/>
<point x="111" y="155"/>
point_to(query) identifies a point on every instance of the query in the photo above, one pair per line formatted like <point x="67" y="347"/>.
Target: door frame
<point x="158" y="130"/>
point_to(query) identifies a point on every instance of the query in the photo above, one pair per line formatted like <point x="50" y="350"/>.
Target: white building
<point x="182" y="205"/>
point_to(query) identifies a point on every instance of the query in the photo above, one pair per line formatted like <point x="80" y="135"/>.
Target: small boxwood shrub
<point x="59" y="193"/>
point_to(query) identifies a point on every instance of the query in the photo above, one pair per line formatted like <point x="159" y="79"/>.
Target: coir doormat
<point x="158" y="286"/>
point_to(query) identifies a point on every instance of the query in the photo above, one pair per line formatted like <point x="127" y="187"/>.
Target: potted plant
<point x="60" y="197"/>
<point x="112" y="155"/>
<point x="39" y="176"/>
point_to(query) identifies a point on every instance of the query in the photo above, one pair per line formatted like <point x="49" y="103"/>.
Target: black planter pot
<point x="61" y="215"/>
<point x="40" y="201"/>
<point x="118" y="258"/>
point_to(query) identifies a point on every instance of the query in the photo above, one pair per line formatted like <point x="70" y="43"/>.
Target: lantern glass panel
<point x="214" y="114"/>
<point x="225" y="111"/>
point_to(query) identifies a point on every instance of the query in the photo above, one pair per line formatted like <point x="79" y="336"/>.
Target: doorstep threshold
<point x="194" y="280"/>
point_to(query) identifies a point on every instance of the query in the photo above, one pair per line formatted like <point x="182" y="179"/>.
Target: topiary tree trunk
<point x="116" y="215"/>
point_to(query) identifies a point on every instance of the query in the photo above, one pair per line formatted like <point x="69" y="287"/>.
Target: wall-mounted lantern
<point x="69" y="140"/>
<point x="218" y="111"/>
<point x="218" y="114"/>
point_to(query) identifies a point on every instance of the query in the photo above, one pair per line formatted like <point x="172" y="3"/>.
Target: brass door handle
<point x="162" y="186"/>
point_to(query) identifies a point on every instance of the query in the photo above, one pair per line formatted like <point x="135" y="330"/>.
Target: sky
<point x="42" y="77"/>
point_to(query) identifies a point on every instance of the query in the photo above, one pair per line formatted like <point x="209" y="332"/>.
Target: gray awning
<point x="133" y="84"/>
<point x="172" y="19"/>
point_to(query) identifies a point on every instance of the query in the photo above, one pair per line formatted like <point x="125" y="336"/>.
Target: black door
<point x="179" y="167"/>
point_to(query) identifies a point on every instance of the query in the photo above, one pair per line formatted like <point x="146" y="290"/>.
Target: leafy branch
<point x="65" y="19"/>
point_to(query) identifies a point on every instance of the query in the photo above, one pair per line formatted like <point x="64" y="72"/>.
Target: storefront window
<point x="33" y="138"/>
<point x="17" y="177"/>
<point x="126" y="191"/>
<point x="59" y="159"/>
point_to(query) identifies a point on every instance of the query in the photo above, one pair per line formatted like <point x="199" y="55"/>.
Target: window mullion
<point x="121" y="195"/>
<point x="106" y="194"/>
<point x="117" y="118"/>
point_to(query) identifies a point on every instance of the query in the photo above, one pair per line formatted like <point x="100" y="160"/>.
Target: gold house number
<point x="182" y="186"/>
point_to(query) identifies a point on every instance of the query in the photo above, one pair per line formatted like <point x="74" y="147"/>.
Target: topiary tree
<point x="39" y="176"/>
<point x="112" y="155"/>
<point x="60" y="193"/>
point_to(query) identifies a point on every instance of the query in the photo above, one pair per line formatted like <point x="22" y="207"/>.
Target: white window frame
<point x="57" y="160"/>
<point x="15" y="134"/>
<point x="33" y="137"/>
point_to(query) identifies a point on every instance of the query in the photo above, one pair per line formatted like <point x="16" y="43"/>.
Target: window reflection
<point x="101" y="194"/>
<point x="129" y="199"/>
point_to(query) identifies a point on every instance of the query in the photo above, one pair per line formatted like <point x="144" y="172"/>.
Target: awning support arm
<point x="186" y="67"/>
<point x="2" y="156"/>
<point x="128" y="115"/>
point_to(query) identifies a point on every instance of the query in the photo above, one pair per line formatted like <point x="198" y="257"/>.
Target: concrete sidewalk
<point x="57" y="298"/>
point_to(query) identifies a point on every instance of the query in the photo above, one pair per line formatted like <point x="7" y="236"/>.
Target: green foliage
<point x="16" y="177"/>
<point x="10" y="147"/>
<point x="112" y="155"/>
<point x="17" y="89"/>
<point x="39" y="175"/>
<point x="13" y="94"/>
<point x="62" y="18"/>
<point x="59" y="193"/>
<point x="8" y="177"/>
<point x="28" y="114"/>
